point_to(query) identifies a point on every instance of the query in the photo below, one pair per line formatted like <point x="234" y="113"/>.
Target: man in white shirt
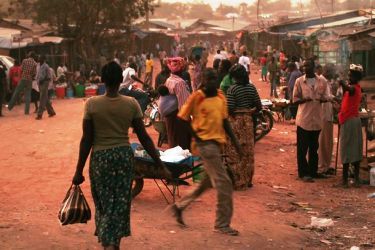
<point x="309" y="92"/>
<point x="245" y="61"/>
<point x="128" y="86"/>
<point x="60" y="71"/>
<point x="218" y="55"/>
<point x="127" y="75"/>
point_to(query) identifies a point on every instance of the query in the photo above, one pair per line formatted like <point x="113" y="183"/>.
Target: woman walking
<point x="224" y="77"/>
<point x="243" y="101"/>
<point x="177" y="133"/>
<point x="106" y="122"/>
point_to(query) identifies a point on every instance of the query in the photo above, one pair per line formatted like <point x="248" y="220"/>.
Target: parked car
<point x="8" y="62"/>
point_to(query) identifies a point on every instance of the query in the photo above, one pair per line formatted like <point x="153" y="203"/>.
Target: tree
<point x="171" y="10"/>
<point x="222" y="10"/>
<point x="243" y="10"/>
<point x="89" y="22"/>
<point x="200" y="11"/>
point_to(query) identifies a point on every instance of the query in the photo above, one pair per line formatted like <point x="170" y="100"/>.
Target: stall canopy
<point x="13" y="39"/>
<point x="9" y="39"/>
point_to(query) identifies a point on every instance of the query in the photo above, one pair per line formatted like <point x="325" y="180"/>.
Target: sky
<point x="216" y="3"/>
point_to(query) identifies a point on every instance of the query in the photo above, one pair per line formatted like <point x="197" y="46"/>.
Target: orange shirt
<point x="207" y="115"/>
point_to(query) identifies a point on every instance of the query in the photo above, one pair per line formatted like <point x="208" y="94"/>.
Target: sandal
<point x="226" y="230"/>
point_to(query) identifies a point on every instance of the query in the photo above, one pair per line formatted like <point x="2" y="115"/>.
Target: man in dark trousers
<point x="309" y="93"/>
<point x="208" y="107"/>
<point x="43" y="78"/>
<point x="3" y="86"/>
<point x="28" y="69"/>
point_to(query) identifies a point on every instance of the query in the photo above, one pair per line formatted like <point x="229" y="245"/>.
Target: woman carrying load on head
<point x="177" y="133"/>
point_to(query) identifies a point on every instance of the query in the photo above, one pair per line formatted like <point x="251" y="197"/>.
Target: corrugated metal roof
<point x="5" y="32"/>
<point x="30" y="25"/>
<point x="228" y="25"/>
<point x="343" y="22"/>
<point x="163" y="24"/>
<point x="186" y="23"/>
<point x="306" y="19"/>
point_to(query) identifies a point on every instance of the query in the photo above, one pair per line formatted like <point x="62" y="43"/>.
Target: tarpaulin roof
<point x="12" y="38"/>
<point x="7" y="39"/>
<point x="50" y="39"/>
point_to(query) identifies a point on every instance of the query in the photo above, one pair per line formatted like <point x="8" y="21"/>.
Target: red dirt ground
<point x="38" y="159"/>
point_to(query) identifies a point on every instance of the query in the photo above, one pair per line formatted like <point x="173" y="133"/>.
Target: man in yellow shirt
<point x="148" y="72"/>
<point x="208" y="109"/>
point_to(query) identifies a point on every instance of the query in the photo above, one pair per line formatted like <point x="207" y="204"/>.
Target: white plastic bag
<point x="321" y="222"/>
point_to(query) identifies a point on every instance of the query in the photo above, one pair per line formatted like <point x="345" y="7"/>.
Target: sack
<point x="74" y="208"/>
<point x="370" y="130"/>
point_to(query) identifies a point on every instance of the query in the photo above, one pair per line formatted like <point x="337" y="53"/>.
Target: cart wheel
<point x="137" y="186"/>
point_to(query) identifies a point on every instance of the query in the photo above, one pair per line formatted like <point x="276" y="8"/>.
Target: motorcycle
<point x="264" y="120"/>
<point x="151" y="113"/>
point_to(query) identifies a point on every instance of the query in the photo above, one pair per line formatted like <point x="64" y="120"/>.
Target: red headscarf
<point x="176" y="64"/>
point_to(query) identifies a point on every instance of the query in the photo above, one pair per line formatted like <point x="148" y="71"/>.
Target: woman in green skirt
<point x="106" y="122"/>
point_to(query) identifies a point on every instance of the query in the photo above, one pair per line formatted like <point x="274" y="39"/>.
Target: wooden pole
<point x="337" y="148"/>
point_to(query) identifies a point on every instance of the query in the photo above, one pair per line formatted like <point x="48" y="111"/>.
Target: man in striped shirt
<point x="28" y="69"/>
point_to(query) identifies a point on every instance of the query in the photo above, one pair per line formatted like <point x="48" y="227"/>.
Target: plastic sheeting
<point x="7" y="43"/>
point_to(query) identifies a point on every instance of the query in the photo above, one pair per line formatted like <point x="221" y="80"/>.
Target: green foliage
<point x="89" y="22"/>
<point x="185" y="11"/>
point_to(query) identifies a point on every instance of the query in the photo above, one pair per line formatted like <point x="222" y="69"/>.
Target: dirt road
<point x="38" y="158"/>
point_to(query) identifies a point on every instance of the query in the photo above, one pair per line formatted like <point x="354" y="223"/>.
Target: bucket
<point x="372" y="177"/>
<point x="60" y="92"/>
<point x="69" y="93"/>
<point x="80" y="90"/>
<point x="198" y="174"/>
<point x="101" y="89"/>
<point x="90" y="92"/>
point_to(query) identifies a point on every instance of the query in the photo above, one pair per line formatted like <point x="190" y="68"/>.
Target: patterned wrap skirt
<point x="243" y="170"/>
<point x="351" y="142"/>
<point x="264" y="70"/>
<point x="111" y="174"/>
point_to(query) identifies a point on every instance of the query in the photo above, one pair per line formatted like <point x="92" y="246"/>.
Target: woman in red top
<point x="351" y="128"/>
<point x="15" y="75"/>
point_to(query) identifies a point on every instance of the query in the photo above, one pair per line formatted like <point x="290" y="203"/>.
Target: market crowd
<point x="210" y="110"/>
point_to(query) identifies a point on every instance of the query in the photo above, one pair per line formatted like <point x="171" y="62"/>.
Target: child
<point x="167" y="103"/>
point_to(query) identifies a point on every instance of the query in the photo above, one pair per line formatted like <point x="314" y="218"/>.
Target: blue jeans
<point x="25" y="85"/>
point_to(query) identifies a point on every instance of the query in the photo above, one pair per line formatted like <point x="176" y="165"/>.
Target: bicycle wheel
<point x="146" y="117"/>
<point x="137" y="186"/>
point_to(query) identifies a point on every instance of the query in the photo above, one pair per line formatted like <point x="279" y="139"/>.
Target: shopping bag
<point x="74" y="208"/>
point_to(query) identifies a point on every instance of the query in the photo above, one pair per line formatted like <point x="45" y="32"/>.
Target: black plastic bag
<point x="287" y="114"/>
<point x="370" y="129"/>
<point x="74" y="209"/>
